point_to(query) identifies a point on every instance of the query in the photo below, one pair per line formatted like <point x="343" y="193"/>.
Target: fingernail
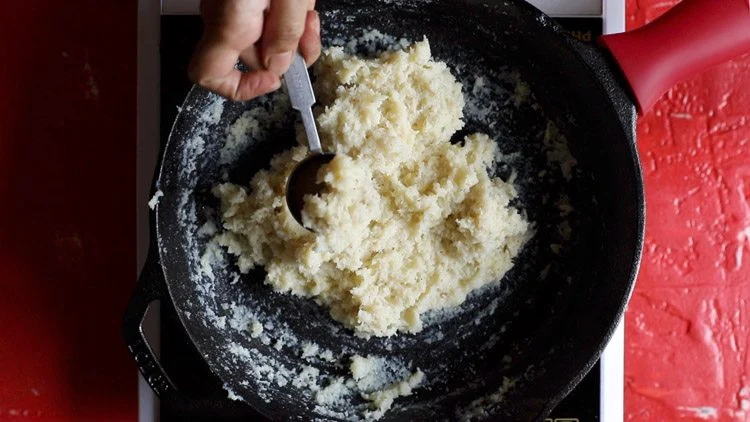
<point x="278" y="63"/>
<point x="276" y="85"/>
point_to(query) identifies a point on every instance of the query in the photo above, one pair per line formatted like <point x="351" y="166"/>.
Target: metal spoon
<point x="302" y="180"/>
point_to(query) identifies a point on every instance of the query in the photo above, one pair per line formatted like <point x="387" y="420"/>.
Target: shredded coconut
<point x="408" y="222"/>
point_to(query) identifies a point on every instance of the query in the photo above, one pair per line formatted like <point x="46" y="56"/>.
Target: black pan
<point x="553" y="312"/>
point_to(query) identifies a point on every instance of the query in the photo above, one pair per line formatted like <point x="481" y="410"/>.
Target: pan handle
<point x="693" y="36"/>
<point x="150" y="288"/>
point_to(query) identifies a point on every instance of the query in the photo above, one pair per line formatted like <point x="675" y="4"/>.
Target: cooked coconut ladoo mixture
<point x="407" y="222"/>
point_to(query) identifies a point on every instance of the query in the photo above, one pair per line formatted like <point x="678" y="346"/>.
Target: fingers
<point x="233" y="29"/>
<point x="250" y="58"/>
<point x="213" y="68"/>
<point x="309" y="44"/>
<point x="237" y="23"/>
<point x="253" y="84"/>
<point x="282" y="30"/>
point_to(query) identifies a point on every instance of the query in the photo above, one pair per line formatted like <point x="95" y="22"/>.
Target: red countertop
<point x="67" y="226"/>
<point x="688" y="325"/>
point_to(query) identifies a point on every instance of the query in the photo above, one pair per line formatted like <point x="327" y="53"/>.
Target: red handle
<point x="691" y="37"/>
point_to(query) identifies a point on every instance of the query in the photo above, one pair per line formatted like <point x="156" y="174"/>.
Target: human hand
<point x="262" y="34"/>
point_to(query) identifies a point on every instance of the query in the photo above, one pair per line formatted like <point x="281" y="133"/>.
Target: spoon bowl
<point x="303" y="181"/>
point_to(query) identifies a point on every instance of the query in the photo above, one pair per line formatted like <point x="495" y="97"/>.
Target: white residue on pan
<point x="187" y="215"/>
<point x="251" y="125"/>
<point x="482" y="104"/>
<point x="478" y="409"/>
<point x="381" y="400"/>
<point x="346" y="383"/>
<point x="372" y="378"/>
<point x="155" y="199"/>
<point x="440" y="316"/>
<point x="371" y="41"/>
<point x="558" y="151"/>
<point x="212" y="113"/>
<point x="211" y="255"/>
<point x="231" y="394"/>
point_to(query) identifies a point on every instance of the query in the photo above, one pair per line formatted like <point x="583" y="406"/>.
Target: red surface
<point x="692" y="37"/>
<point x="67" y="230"/>
<point x="67" y="227"/>
<point x="688" y="325"/>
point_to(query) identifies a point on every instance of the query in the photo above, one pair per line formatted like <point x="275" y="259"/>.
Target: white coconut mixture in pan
<point x="407" y="222"/>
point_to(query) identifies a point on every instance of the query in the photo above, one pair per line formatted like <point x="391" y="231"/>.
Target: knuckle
<point x="254" y="86"/>
<point x="248" y="88"/>
<point x="288" y="34"/>
<point x="236" y="96"/>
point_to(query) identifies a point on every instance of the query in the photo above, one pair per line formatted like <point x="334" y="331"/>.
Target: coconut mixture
<point x="408" y="222"/>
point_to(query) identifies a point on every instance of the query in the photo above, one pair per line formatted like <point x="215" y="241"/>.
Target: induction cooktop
<point x="168" y="31"/>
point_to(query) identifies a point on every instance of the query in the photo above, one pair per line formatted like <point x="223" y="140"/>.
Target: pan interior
<point x="511" y="350"/>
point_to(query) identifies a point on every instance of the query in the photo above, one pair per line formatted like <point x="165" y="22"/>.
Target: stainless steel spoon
<point x="302" y="180"/>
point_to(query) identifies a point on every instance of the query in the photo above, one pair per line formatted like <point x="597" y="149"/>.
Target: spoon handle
<point x="301" y="95"/>
<point x="312" y="133"/>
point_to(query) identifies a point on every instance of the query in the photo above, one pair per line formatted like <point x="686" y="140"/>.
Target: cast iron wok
<point x="553" y="312"/>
